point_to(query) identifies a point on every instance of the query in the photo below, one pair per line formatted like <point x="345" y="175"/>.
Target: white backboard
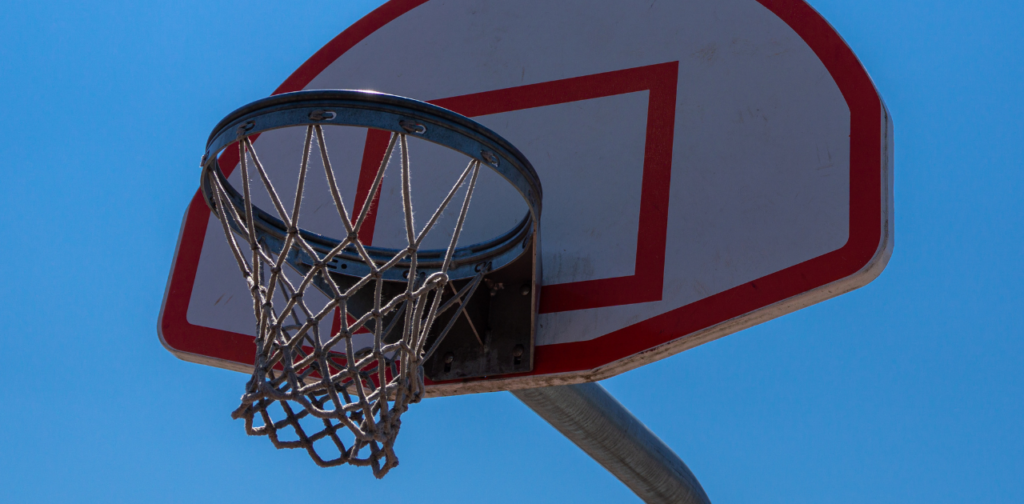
<point x="706" y="165"/>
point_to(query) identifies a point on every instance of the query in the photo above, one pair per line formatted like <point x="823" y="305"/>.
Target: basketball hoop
<point x="409" y="299"/>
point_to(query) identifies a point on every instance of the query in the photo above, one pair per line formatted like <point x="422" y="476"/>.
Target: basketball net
<point x="326" y="392"/>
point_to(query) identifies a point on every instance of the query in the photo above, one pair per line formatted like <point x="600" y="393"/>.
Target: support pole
<point x="603" y="428"/>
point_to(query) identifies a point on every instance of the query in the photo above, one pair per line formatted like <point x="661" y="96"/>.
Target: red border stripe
<point x="660" y="80"/>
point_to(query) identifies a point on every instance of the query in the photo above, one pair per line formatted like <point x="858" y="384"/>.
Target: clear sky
<point x="908" y="390"/>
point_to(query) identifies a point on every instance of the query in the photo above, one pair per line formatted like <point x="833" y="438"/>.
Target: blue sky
<point x="908" y="390"/>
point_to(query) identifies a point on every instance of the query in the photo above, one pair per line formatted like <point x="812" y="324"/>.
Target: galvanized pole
<point x="600" y="425"/>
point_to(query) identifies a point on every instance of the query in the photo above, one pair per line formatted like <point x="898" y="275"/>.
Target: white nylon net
<point x="330" y="394"/>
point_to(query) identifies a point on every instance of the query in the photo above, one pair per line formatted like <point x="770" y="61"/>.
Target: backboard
<point x="706" y="166"/>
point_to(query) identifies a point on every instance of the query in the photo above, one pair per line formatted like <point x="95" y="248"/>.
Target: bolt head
<point x="490" y="157"/>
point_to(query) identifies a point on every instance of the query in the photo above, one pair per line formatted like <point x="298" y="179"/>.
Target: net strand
<point x="317" y="387"/>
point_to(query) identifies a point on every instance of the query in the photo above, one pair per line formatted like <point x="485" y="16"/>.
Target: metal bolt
<point x="412" y="126"/>
<point x="240" y="131"/>
<point x="489" y="157"/>
<point x="495" y="287"/>
<point x="517" y="355"/>
<point x="320" y="115"/>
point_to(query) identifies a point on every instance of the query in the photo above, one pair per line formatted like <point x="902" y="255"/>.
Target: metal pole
<point x="600" y="425"/>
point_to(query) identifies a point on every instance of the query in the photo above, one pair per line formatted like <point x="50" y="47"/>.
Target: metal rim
<point x="399" y="115"/>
